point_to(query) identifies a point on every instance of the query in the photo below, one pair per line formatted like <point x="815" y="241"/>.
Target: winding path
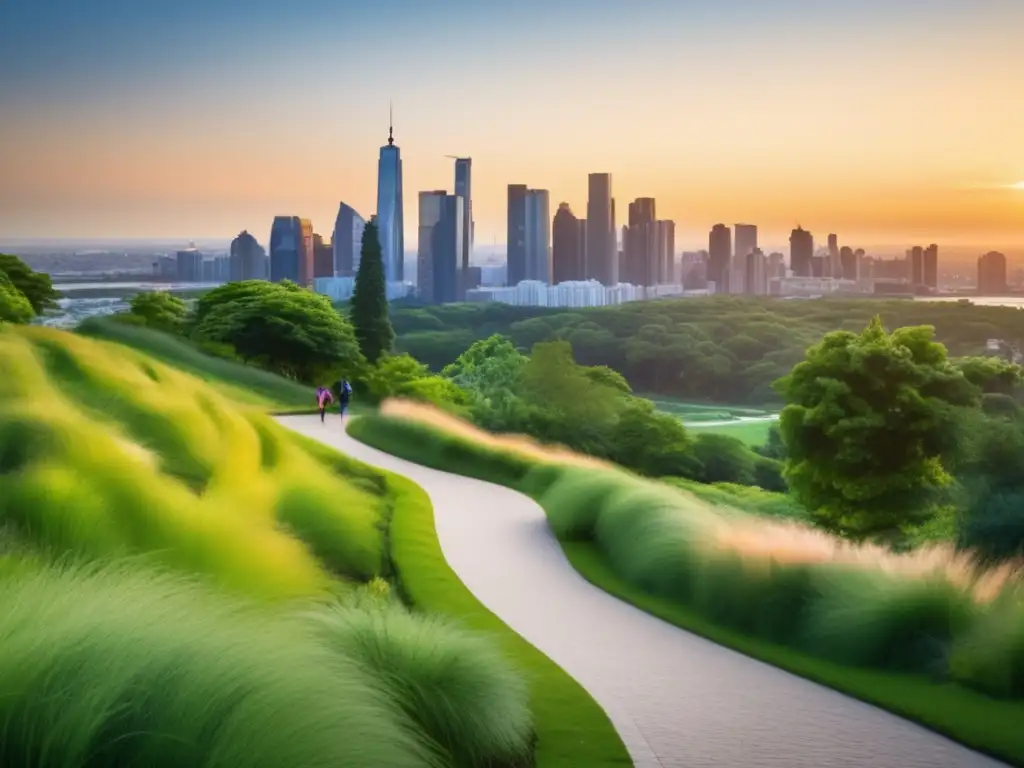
<point x="676" y="699"/>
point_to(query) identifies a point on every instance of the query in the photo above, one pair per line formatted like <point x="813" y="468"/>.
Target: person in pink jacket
<point x="323" y="399"/>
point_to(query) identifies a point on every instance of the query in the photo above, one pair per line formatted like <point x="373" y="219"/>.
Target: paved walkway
<point x="676" y="699"/>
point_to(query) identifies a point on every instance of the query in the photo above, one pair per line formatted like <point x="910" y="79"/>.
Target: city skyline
<point x="889" y="123"/>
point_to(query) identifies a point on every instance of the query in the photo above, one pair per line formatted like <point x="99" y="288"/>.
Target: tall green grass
<point x="117" y="666"/>
<point x="105" y="452"/>
<point x="456" y="686"/>
<point x="932" y="619"/>
<point x="236" y="380"/>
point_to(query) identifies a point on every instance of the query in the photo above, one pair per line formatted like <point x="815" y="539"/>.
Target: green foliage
<point x="725" y="349"/>
<point x="725" y="459"/>
<point x="992" y="375"/>
<point x="182" y="677"/>
<point x="240" y="382"/>
<point x="14" y="306"/>
<point x="461" y="691"/>
<point x="369" y="307"/>
<point x="867" y="425"/>
<point x="105" y="452"/>
<point x="281" y="327"/>
<point x="34" y="286"/>
<point x="491" y="372"/>
<point x="402" y="376"/>
<point x="161" y="310"/>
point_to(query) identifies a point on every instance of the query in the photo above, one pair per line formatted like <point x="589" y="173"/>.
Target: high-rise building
<point x="917" y="265"/>
<point x="666" y="230"/>
<point x="516" y="237"/>
<point x="287" y="249"/>
<point x="602" y="250"/>
<point x="190" y="265"/>
<point x="390" y="217"/>
<point x="931" y="266"/>
<point x="640" y="245"/>
<point x="835" y="265"/>
<point x="746" y="240"/>
<point x="323" y="257"/>
<point x="568" y="254"/>
<point x="247" y="260"/>
<point x="849" y="263"/>
<point x="992" y="273"/>
<point x="719" y="257"/>
<point x="538" y="235"/>
<point x="464" y="189"/>
<point x="755" y="281"/>
<point x="801" y="252"/>
<point x="439" y="250"/>
<point x="347" y="240"/>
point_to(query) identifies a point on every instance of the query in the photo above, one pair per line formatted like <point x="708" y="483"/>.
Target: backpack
<point x="346" y="388"/>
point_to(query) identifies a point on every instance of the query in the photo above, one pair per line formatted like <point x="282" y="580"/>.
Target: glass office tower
<point x="390" y="219"/>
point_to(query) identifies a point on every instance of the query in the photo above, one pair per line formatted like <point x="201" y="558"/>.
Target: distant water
<point x="75" y="309"/>
<point x="981" y="301"/>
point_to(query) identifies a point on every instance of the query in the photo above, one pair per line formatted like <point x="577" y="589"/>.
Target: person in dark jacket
<point x="344" y="394"/>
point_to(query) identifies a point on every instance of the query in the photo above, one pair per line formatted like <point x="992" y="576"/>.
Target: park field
<point x="745" y="423"/>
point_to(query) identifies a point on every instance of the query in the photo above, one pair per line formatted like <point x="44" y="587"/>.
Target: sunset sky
<point x="886" y="121"/>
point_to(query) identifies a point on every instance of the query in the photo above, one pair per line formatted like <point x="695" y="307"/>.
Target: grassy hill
<point x="236" y="381"/>
<point x="183" y="582"/>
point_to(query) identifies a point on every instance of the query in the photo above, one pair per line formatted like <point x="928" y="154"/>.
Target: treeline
<point x="24" y="293"/>
<point x="725" y="349"/>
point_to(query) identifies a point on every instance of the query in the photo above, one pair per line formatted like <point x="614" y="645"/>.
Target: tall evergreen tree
<point x="369" y="299"/>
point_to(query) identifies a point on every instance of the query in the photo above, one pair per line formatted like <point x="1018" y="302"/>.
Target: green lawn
<point x="753" y="433"/>
<point x="987" y="724"/>
<point x="572" y="729"/>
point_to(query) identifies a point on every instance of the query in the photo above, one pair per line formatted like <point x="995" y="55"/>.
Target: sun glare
<point x="1019" y="185"/>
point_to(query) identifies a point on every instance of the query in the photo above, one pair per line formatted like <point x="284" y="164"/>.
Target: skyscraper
<point x="568" y="254"/>
<point x="538" y="235"/>
<point x="640" y="245"/>
<point x="390" y="218"/>
<point x="801" y="252"/>
<point x="464" y="189"/>
<point x="745" y="244"/>
<point x="849" y="263"/>
<point x="666" y="231"/>
<point x="992" y="273"/>
<point x="287" y="249"/>
<point x="516" y="237"/>
<point x="835" y="266"/>
<point x="917" y="265"/>
<point x="323" y="257"/>
<point x="719" y="257"/>
<point x="931" y="266"/>
<point x="602" y="248"/>
<point x="247" y="260"/>
<point x="190" y="265"/>
<point x="439" y="250"/>
<point x="347" y="240"/>
<point x="755" y="279"/>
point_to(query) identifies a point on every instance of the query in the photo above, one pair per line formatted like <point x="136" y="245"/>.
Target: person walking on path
<point x="323" y="397"/>
<point x="344" y="394"/>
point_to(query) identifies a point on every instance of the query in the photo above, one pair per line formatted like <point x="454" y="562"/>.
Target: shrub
<point x="991" y="657"/>
<point x="184" y="677"/>
<point x="455" y="685"/>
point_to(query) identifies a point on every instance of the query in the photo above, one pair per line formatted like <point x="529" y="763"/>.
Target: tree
<point x="490" y="371"/>
<point x="992" y="375"/>
<point x="14" y="306"/>
<point x="369" y="313"/>
<point x="161" y="310"/>
<point x="284" y="329"/>
<point x="869" y="420"/>
<point x="404" y="376"/>
<point x="36" y="286"/>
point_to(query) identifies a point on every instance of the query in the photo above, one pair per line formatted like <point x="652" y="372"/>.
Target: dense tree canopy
<point x="161" y="310"/>
<point x="14" y="306"/>
<point x="868" y="422"/>
<point x="34" y="286"/>
<point x="725" y="349"/>
<point x="281" y="327"/>
<point x="369" y="306"/>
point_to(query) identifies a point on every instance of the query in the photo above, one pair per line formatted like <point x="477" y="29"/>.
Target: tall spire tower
<point x="390" y="215"/>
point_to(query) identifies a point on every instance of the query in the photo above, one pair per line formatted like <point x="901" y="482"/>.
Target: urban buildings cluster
<point x="559" y="260"/>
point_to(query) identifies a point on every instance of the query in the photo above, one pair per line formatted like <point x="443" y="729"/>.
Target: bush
<point x="991" y="657"/>
<point x="184" y="677"/>
<point x="456" y="686"/>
